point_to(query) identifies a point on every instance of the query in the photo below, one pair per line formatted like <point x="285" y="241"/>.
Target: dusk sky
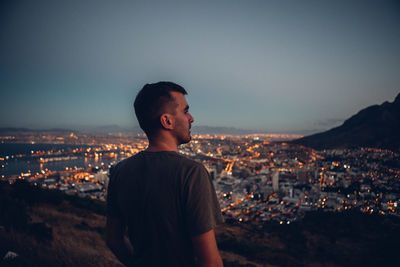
<point x="275" y="66"/>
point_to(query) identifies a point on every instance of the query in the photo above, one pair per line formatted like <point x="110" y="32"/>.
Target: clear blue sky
<point x="278" y="66"/>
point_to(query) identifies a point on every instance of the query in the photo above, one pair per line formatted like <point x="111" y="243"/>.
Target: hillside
<point x="47" y="228"/>
<point x="375" y="126"/>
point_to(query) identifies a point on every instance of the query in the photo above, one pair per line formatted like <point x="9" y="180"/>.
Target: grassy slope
<point x="77" y="238"/>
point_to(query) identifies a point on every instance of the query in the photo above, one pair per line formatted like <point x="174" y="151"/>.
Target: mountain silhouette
<point x="375" y="126"/>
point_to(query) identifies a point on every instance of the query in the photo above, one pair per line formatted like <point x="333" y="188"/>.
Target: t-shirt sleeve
<point x="201" y="206"/>
<point x="112" y="208"/>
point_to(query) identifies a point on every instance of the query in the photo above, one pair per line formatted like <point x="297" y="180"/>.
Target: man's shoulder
<point x="189" y="163"/>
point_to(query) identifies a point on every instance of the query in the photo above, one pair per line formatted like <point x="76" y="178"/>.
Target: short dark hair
<point x="151" y="102"/>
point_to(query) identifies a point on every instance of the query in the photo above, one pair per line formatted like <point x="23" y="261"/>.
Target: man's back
<point x="164" y="199"/>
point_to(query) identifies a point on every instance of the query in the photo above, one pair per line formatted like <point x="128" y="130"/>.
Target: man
<point x="165" y="202"/>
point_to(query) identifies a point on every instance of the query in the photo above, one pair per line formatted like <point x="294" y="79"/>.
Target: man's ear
<point x="167" y="121"/>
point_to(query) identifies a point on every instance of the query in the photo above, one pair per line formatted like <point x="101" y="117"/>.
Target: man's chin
<point x="189" y="138"/>
<point x="186" y="140"/>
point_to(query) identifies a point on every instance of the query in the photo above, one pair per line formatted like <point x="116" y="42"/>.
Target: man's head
<point x="162" y="105"/>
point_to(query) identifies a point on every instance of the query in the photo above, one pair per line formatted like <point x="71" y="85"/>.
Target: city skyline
<point x="276" y="66"/>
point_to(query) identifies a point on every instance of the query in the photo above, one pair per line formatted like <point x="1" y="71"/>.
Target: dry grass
<point x="77" y="238"/>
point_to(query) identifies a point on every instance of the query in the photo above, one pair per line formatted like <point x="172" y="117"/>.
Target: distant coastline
<point x="17" y="158"/>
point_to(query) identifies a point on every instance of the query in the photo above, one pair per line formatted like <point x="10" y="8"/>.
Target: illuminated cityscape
<point x="296" y="108"/>
<point x="258" y="178"/>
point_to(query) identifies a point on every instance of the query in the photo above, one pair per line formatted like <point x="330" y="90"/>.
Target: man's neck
<point x="160" y="148"/>
<point x="162" y="145"/>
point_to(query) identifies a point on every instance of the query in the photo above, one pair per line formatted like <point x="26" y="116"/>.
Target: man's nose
<point x="191" y="119"/>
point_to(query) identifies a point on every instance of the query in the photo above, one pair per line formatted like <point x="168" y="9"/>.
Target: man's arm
<point x="206" y="250"/>
<point x="116" y="240"/>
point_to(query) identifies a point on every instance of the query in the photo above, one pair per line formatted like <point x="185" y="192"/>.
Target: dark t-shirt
<point x="164" y="199"/>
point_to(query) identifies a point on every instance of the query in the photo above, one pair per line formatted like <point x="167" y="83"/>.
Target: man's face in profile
<point x="183" y="119"/>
